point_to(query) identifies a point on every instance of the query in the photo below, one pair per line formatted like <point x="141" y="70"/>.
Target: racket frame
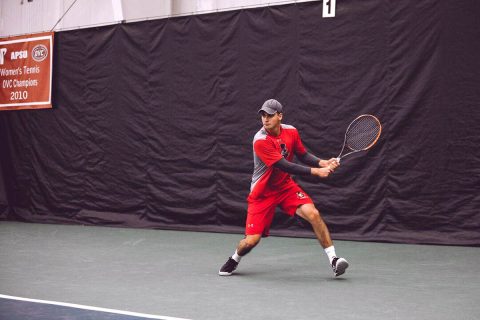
<point x="340" y="156"/>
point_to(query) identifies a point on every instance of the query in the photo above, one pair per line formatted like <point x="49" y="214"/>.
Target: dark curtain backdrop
<point x="153" y="121"/>
<point x="3" y="197"/>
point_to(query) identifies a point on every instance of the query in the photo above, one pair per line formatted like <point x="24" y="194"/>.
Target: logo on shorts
<point x="250" y="225"/>
<point x="301" y="195"/>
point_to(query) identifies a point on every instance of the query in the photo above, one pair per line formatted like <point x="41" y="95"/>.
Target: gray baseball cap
<point x="271" y="106"/>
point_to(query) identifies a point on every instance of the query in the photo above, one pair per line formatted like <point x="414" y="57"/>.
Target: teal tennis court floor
<point x="173" y="274"/>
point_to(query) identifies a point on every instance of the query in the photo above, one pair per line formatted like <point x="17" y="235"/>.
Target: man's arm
<point x="313" y="161"/>
<point x="296" y="169"/>
<point x="309" y="159"/>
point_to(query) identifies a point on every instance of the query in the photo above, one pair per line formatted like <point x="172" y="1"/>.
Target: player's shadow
<point x="287" y="276"/>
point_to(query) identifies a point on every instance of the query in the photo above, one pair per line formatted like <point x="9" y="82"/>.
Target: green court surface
<point x="175" y="274"/>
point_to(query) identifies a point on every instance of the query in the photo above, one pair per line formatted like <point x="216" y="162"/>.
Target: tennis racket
<point x="362" y="134"/>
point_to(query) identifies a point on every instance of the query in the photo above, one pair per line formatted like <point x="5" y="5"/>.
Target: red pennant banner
<point x="26" y="72"/>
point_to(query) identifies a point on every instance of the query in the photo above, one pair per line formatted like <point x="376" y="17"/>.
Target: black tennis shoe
<point x="339" y="265"/>
<point x="228" y="268"/>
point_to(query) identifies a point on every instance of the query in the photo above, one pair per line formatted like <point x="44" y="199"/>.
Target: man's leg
<point x="312" y="215"/>
<point x="247" y="244"/>
<point x="259" y="217"/>
<point x="244" y="247"/>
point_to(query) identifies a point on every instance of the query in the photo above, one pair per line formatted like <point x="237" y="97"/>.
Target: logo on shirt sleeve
<point x="301" y="195"/>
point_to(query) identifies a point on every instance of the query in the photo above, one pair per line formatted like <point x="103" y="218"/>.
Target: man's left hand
<point x="332" y="163"/>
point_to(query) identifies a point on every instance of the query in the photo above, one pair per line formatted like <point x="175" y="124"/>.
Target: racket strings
<point x="363" y="133"/>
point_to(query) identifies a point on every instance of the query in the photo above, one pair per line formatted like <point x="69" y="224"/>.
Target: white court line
<point x="79" y="306"/>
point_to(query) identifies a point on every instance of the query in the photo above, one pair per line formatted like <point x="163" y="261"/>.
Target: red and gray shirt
<point x="267" y="150"/>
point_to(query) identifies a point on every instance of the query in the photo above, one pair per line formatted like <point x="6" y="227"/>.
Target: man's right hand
<point x="321" y="172"/>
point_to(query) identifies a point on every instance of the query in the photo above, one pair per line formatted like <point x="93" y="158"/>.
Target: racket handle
<point x="338" y="159"/>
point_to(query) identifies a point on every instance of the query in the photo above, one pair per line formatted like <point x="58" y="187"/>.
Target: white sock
<point x="236" y="257"/>
<point x="330" y="251"/>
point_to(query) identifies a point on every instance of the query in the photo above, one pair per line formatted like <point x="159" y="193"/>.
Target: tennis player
<point x="274" y="147"/>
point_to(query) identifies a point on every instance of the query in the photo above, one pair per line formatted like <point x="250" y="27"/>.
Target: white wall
<point x="21" y="16"/>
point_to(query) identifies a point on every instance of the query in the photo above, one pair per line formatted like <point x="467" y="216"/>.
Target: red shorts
<point x="261" y="211"/>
